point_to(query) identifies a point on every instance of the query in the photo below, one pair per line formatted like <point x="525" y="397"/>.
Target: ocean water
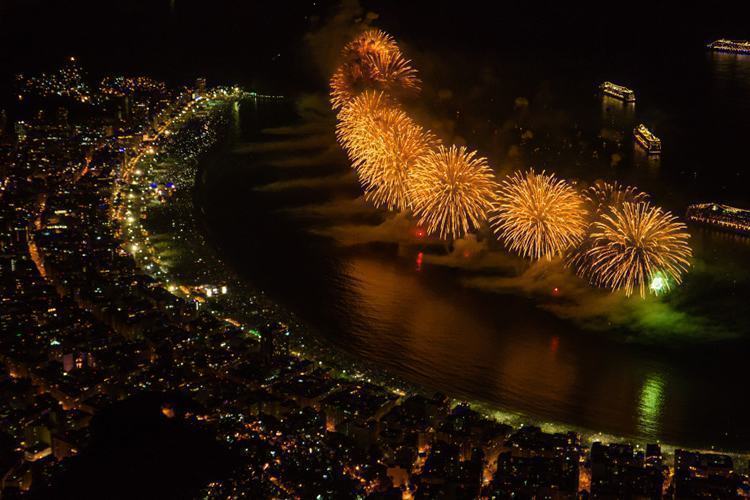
<point x="282" y="207"/>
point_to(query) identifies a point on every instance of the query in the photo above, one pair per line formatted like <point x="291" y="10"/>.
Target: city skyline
<point x="362" y="250"/>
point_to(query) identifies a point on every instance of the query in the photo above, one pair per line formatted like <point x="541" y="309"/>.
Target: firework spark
<point x="383" y="144"/>
<point x="598" y="199"/>
<point x="602" y="195"/>
<point x="341" y="88"/>
<point x="385" y="173"/>
<point x="392" y="71"/>
<point x="633" y="244"/>
<point x="538" y="216"/>
<point x="363" y="120"/>
<point x="371" y="41"/>
<point x="451" y="191"/>
<point x="372" y="60"/>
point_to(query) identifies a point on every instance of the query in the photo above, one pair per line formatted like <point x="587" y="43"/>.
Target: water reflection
<point x="401" y="314"/>
<point x="734" y="67"/>
<point x="650" y="405"/>
<point x="398" y="318"/>
<point x="407" y="318"/>
<point x="730" y="78"/>
<point x="617" y="112"/>
<point x="649" y="162"/>
<point x="537" y="363"/>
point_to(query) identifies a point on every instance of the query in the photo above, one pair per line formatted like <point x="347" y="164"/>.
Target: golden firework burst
<point x="362" y="122"/>
<point x="384" y="174"/>
<point x="371" y="61"/>
<point x="601" y="195"/>
<point x="633" y="244"/>
<point x="392" y="71"/>
<point x="451" y="191"/>
<point x="370" y="41"/>
<point x="538" y="215"/>
<point x="599" y="198"/>
<point x="341" y="89"/>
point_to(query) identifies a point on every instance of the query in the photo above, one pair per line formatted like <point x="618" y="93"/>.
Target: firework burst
<point x="598" y="199"/>
<point x="538" y="216"/>
<point x="371" y="41"/>
<point x="602" y="195"/>
<point x="341" y="88"/>
<point x="393" y="71"/>
<point x="634" y="243"/>
<point x="451" y="191"/>
<point x="363" y="121"/>
<point x="383" y="144"/>
<point x="385" y="173"/>
<point x="371" y="61"/>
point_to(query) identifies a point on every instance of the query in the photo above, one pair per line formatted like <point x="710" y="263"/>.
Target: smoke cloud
<point x="326" y="42"/>
<point x="325" y="182"/>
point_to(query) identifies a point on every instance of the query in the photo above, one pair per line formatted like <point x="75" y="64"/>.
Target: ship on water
<point x="617" y="91"/>
<point x="647" y="140"/>
<point x="736" y="220"/>
<point x="734" y="46"/>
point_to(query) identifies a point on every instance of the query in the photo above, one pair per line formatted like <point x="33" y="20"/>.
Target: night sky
<point x="262" y="43"/>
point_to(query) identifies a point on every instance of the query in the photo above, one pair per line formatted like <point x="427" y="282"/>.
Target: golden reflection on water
<point x="730" y="70"/>
<point x="617" y="112"/>
<point x="392" y="298"/>
<point x="650" y="162"/>
<point x="540" y="368"/>
<point x="442" y="339"/>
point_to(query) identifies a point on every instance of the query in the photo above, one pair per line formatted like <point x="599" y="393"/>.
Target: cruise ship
<point x="647" y="140"/>
<point x="724" y="217"/>
<point x="735" y="46"/>
<point x="617" y="91"/>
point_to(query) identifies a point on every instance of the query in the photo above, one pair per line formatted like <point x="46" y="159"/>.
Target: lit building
<point x="274" y="340"/>
<point x="704" y="475"/>
<point x="200" y="85"/>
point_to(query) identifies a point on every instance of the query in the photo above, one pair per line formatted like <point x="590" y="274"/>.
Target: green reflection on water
<point x="650" y="404"/>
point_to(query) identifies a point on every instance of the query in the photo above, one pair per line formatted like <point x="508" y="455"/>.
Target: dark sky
<point x="261" y="43"/>
<point x="171" y="39"/>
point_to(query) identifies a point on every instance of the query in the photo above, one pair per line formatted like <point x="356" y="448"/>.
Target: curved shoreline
<point x="364" y="372"/>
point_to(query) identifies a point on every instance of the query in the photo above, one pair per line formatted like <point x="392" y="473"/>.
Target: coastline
<point x="307" y="345"/>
